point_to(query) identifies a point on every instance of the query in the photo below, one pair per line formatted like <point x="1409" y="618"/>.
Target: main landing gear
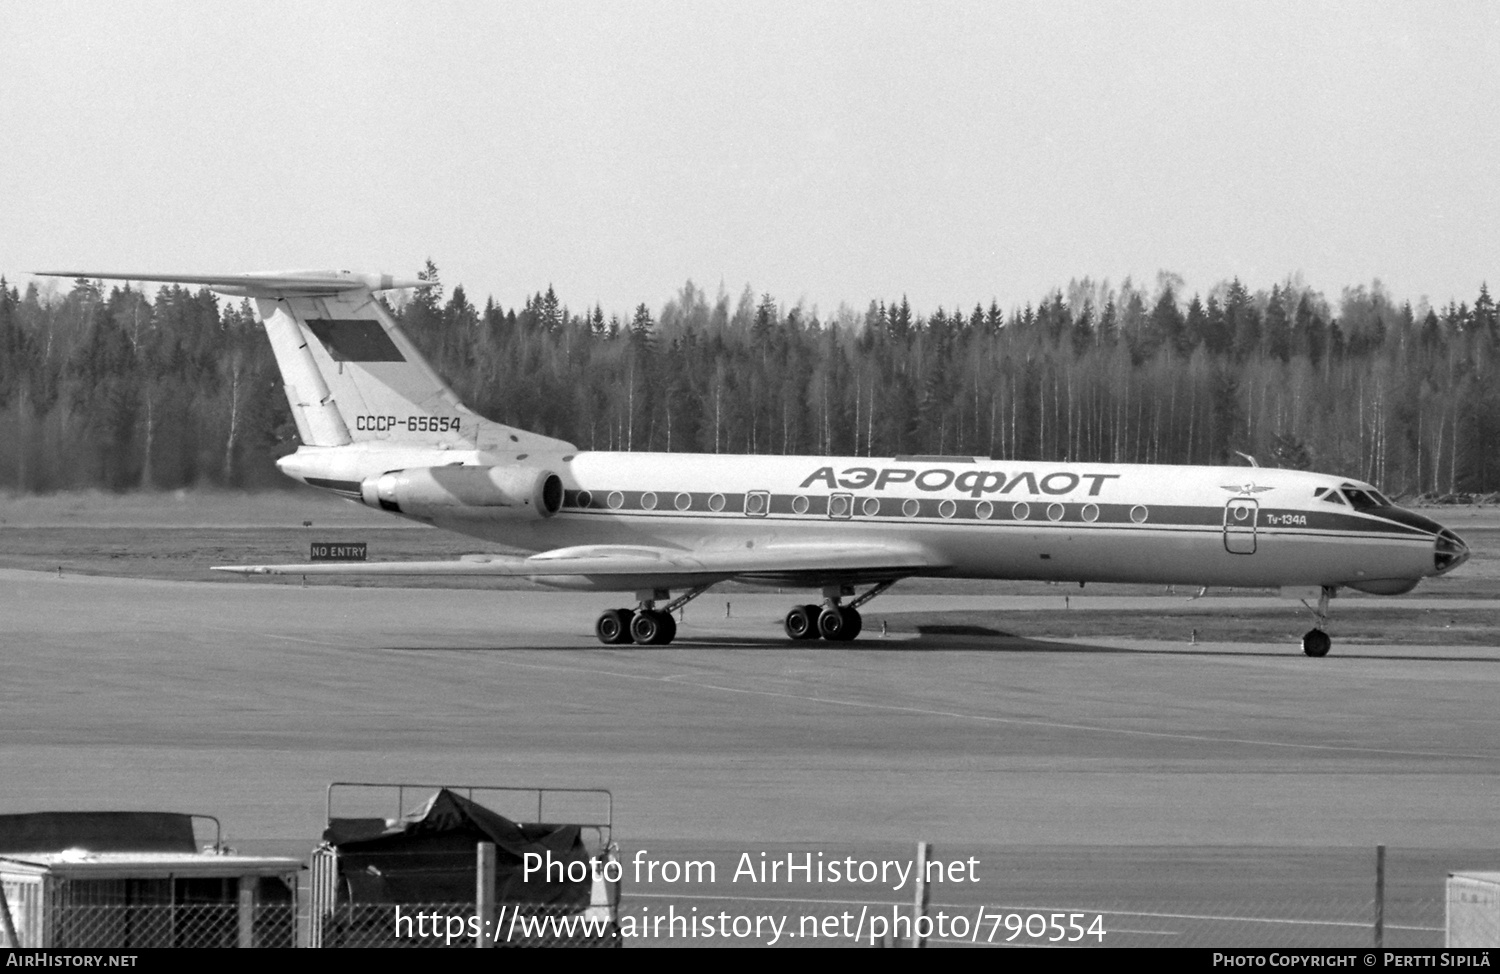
<point x="1316" y="642"/>
<point x="832" y="621"/>
<point x="646" y="625"/>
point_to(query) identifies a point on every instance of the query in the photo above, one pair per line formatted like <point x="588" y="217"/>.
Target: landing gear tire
<point x="802" y="622"/>
<point x="1316" y="643"/>
<point x="839" y="624"/>
<point x="652" y="628"/>
<point x="853" y="622"/>
<point x="613" y="627"/>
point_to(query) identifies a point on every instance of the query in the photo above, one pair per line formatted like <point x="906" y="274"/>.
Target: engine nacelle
<point x="509" y="491"/>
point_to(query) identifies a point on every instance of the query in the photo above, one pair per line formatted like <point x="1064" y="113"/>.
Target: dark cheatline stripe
<point x="1004" y="511"/>
<point x="1411" y="519"/>
<point x="1335" y="521"/>
<point x="355" y="340"/>
<point x="345" y="486"/>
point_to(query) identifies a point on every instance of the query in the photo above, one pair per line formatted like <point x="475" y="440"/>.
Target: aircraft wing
<point x="630" y="567"/>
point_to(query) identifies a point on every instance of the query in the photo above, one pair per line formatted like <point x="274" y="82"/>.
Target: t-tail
<point x="363" y="398"/>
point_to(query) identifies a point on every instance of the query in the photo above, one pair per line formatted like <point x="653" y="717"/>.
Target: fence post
<point x="1379" y="896"/>
<point x="919" y="906"/>
<point x="246" y="911"/>
<point x="484" y="892"/>
<point x="302" y="900"/>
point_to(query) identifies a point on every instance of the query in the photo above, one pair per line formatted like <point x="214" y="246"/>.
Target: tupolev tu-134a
<point x="379" y="426"/>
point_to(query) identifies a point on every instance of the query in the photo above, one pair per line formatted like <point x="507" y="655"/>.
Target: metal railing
<point x="503" y="799"/>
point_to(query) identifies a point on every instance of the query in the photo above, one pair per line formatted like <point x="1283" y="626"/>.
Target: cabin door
<point x="1240" y="516"/>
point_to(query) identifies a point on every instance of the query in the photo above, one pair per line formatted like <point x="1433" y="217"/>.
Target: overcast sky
<point x="821" y="152"/>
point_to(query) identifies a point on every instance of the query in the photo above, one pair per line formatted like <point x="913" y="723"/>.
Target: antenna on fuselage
<point x="1248" y="457"/>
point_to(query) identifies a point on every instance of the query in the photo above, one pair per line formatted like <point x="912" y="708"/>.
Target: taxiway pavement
<point x="246" y="700"/>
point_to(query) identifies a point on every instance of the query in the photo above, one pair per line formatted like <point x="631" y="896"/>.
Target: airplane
<point x="377" y="425"/>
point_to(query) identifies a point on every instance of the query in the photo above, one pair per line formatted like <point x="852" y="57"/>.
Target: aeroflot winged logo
<point x="1250" y="488"/>
<point x="973" y="482"/>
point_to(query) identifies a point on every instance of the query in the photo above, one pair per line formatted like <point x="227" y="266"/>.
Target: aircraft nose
<point x="1449" y="551"/>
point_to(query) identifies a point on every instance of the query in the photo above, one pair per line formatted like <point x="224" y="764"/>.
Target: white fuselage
<point x="980" y="518"/>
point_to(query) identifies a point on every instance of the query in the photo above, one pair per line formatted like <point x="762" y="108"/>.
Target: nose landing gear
<point x="1316" y="642"/>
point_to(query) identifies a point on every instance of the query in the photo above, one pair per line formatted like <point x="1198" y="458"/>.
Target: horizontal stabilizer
<point x="264" y="285"/>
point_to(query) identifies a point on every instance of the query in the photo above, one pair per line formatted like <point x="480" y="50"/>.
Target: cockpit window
<point x="1332" y="497"/>
<point x="1384" y="500"/>
<point x="1361" y="500"/>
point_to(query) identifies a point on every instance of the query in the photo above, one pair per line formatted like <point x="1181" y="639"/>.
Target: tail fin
<point x="351" y="376"/>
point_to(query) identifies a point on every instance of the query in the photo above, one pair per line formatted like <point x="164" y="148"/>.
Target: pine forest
<point x="112" y="388"/>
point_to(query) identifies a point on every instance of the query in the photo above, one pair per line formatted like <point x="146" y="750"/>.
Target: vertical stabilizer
<point x="351" y="377"/>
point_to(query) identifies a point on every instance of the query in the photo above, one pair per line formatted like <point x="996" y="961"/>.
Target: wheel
<point x="652" y="628"/>
<point x="613" y="627"/>
<point x="802" y="622"/>
<point x="853" y="623"/>
<point x="839" y="625"/>
<point x="645" y="627"/>
<point x="830" y="623"/>
<point x="1316" y="643"/>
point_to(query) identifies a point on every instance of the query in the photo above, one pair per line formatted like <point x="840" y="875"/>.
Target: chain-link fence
<point x="174" y="925"/>
<point x="1240" y="897"/>
<point x="458" y="925"/>
<point x="665" y="918"/>
<point x="1218" y="925"/>
<point x="1268" y="898"/>
<point x="868" y="923"/>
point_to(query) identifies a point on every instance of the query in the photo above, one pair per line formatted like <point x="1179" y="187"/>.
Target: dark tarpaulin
<point x="97" y="832"/>
<point x="429" y="857"/>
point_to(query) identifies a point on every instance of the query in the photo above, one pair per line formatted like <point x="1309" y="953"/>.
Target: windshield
<point x="1361" y="500"/>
